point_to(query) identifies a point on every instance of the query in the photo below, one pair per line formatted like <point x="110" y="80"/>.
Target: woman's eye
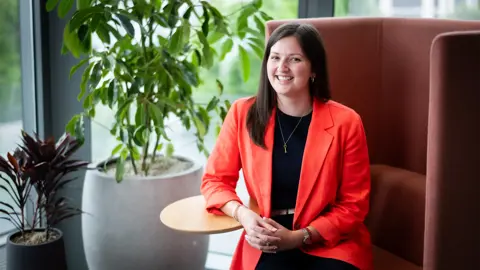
<point x="296" y="59"/>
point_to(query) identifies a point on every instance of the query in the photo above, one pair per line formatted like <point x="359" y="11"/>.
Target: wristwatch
<point x="307" y="237"/>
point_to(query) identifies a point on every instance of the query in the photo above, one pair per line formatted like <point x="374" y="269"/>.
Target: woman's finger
<point x="259" y="232"/>
<point x="270" y="226"/>
<point x="262" y="230"/>
<point x="272" y="223"/>
<point x="258" y="244"/>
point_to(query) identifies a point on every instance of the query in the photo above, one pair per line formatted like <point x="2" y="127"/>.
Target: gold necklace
<point x="281" y="132"/>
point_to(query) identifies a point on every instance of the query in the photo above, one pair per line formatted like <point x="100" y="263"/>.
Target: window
<point x="451" y="9"/>
<point x="11" y="118"/>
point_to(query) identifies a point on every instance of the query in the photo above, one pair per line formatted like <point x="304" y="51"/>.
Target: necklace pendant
<point x="285" y="148"/>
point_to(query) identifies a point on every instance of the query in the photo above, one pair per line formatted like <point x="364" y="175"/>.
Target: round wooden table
<point x="189" y="215"/>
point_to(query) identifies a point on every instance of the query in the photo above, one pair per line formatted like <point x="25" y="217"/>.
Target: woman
<point x="305" y="162"/>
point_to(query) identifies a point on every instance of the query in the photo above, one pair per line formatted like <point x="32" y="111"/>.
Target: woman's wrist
<point x="230" y="207"/>
<point x="298" y="238"/>
<point x="240" y="212"/>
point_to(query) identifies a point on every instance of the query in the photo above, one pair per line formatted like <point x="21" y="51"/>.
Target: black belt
<point x="283" y="212"/>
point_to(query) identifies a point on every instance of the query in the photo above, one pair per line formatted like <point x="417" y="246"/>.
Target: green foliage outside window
<point x="10" y="91"/>
<point x="231" y="70"/>
<point x="466" y="13"/>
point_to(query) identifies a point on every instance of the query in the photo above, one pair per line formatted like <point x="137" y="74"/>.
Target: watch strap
<point x="307" y="236"/>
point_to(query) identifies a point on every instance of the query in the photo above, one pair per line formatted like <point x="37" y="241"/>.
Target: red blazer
<point x="334" y="189"/>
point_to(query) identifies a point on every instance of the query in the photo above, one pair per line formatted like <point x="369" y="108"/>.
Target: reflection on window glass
<point x="10" y="86"/>
<point x="451" y="9"/>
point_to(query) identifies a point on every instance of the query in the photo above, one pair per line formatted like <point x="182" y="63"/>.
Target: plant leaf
<point x="226" y="48"/>
<point x="214" y="37"/>
<point x="220" y="86"/>
<point x="200" y="126"/>
<point x="258" y="51"/>
<point x="155" y="111"/>
<point x="127" y="24"/>
<point x="81" y="4"/>
<point x="120" y="169"/>
<point x="176" y="41"/>
<point x="245" y="62"/>
<point x="257" y="3"/>
<point x="170" y="149"/>
<point x="117" y="149"/>
<point x="265" y="16"/>
<point x="212" y="104"/>
<point x="207" y="54"/>
<point x="51" y="4"/>
<point x="206" y="19"/>
<point x="64" y="7"/>
<point x="71" y="41"/>
<point x="260" y="25"/>
<point x="81" y="16"/>
<point x="77" y="66"/>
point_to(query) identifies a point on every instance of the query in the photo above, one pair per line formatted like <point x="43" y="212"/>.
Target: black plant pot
<point x="46" y="256"/>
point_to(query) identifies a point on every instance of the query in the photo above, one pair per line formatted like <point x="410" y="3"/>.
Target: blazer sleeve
<point x="223" y="165"/>
<point x="352" y="202"/>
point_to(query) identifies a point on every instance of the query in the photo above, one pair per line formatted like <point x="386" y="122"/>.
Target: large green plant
<point x="149" y="64"/>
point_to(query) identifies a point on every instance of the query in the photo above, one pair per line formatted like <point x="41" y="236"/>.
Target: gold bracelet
<point x="235" y="210"/>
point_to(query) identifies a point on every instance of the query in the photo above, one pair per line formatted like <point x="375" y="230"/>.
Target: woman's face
<point x="289" y="70"/>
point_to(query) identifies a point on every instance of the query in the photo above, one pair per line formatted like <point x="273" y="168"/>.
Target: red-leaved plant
<point x="42" y="165"/>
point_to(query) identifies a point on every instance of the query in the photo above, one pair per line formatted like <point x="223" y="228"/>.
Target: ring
<point x="268" y="244"/>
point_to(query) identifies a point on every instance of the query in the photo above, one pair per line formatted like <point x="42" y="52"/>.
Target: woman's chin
<point x="284" y="91"/>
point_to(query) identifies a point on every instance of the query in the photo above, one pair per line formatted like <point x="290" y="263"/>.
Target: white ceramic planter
<point x="122" y="230"/>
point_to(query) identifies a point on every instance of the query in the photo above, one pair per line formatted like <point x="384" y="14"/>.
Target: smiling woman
<point x="313" y="196"/>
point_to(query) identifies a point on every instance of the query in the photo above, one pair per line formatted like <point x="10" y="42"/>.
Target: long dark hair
<point x="265" y="100"/>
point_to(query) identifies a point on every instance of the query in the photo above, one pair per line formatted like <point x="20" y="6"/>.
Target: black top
<point x="286" y="166"/>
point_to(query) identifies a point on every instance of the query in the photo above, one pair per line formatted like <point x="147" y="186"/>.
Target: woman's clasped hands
<point x="265" y="234"/>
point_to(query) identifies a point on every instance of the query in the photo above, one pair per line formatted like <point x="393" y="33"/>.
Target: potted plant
<point x="149" y="64"/>
<point x="40" y="165"/>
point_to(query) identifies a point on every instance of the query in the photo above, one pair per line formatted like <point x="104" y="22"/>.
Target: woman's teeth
<point x="284" y="78"/>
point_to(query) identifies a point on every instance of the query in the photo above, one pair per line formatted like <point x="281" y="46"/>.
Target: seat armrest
<point x="396" y="219"/>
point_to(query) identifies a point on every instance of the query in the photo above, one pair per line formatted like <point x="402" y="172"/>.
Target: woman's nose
<point x="282" y="65"/>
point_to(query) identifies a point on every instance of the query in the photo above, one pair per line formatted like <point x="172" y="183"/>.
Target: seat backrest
<point x="452" y="211"/>
<point x="380" y="68"/>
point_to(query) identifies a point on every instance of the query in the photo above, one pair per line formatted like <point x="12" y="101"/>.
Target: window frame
<point x="48" y="104"/>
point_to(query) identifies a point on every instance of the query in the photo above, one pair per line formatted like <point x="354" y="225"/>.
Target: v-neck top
<point x="286" y="166"/>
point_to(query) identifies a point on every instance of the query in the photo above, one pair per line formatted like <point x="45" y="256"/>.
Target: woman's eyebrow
<point x="299" y="54"/>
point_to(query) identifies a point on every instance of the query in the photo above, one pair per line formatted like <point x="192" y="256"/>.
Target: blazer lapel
<point x="316" y="149"/>
<point x="263" y="169"/>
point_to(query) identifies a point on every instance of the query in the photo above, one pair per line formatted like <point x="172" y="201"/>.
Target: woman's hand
<point x="288" y="239"/>
<point x="260" y="234"/>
